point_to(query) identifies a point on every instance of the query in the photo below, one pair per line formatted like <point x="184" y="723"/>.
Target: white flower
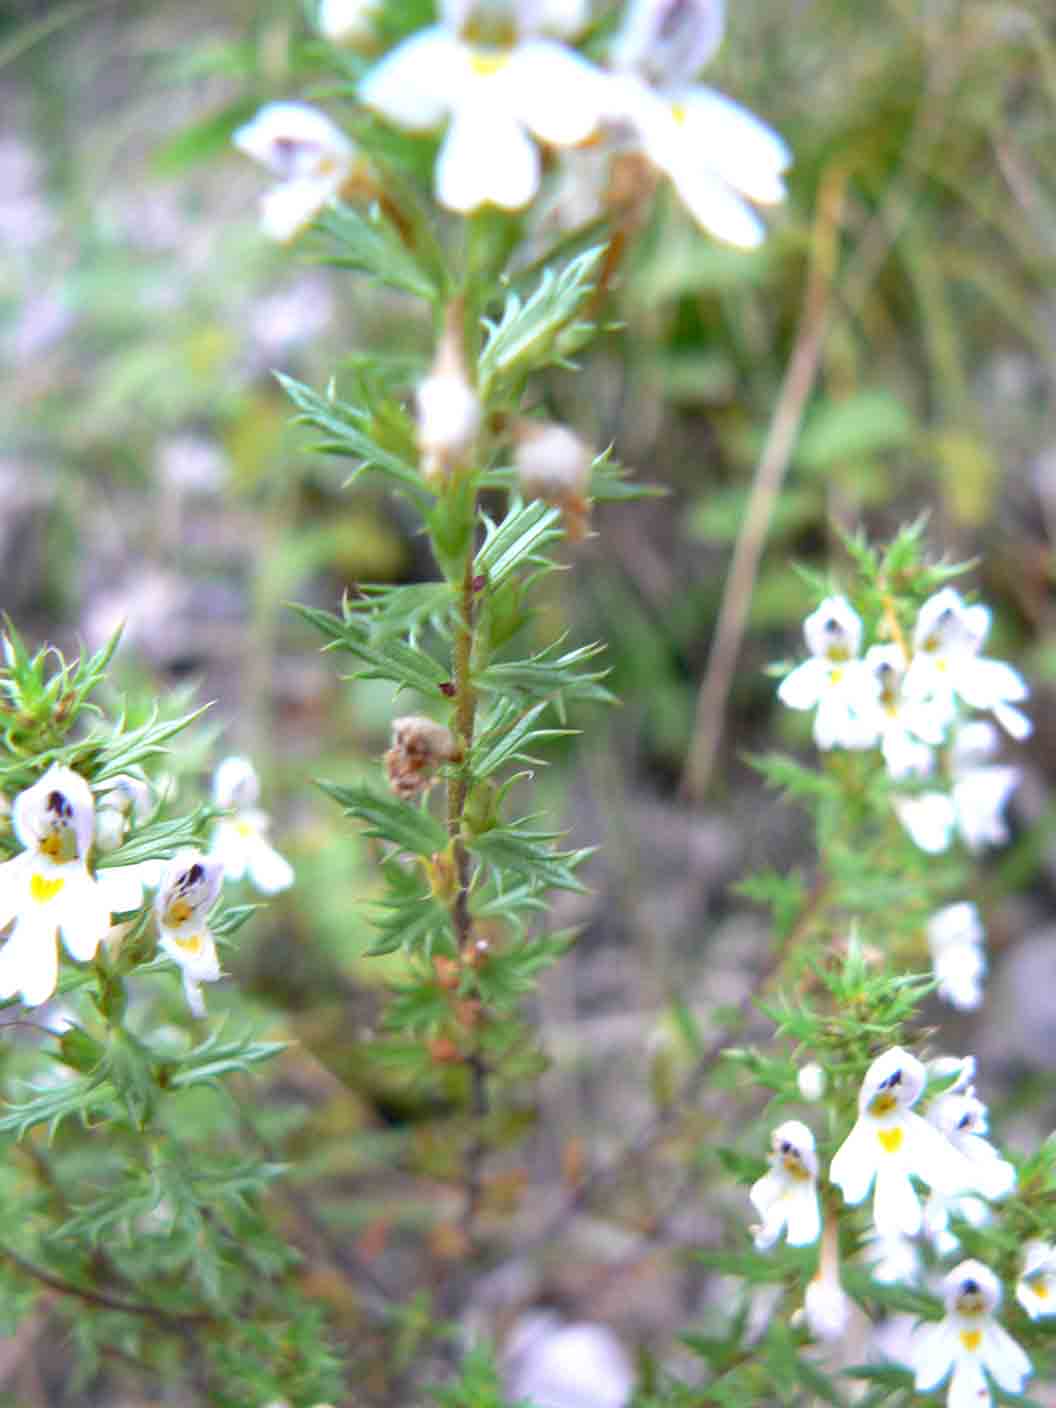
<point x="905" y="726"/>
<point x="498" y="98"/>
<point x="125" y="802"/>
<point x="48" y="889"/>
<point x="347" y="21"/>
<point x="833" y="681"/>
<point x="968" y="1343"/>
<point x="240" y="842"/>
<point x="1036" y="1288"/>
<point x="787" y="1196"/>
<point x="892" y="1260"/>
<point x="554" y="1364"/>
<point x="947" y="665"/>
<point x="889" y="1144"/>
<point x="189" y="887"/>
<point x="312" y="156"/>
<point x="981" y="789"/>
<point x="962" y="1118"/>
<point x="956" y="937"/>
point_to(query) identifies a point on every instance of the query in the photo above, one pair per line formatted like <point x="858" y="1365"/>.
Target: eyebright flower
<point x="787" y="1196"/>
<point x="240" y="842"/>
<point x="962" y="1118"/>
<point x="313" y="158"/>
<point x="812" y="1081"/>
<point x="889" y="1144"/>
<point x="48" y="889"/>
<point x="968" y="1342"/>
<point x="448" y="409"/>
<point x="1036" y="1288"/>
<point x="499" y="96"/>
<point x="981" y="788"/>
<point x="554" y="464"/>
<point x="947" y="666"/>
<point x="956" y="938"/>
<point x="717" y="154"/>
<point x="833" y="681"/>
<point x="905" y="726"/>
<point x="189" y="887"/>
<point x="892" y="1260"/>
<point x="419" y="747"/>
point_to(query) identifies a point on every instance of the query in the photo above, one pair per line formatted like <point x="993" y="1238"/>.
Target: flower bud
<point x="419" y="747"/>
<point x="554" y="464"/>
<point x="812" y="1081"/>
<point x="347" y="21"/>
<point x="448" y="411"/>
<point x="826" y="1305"/>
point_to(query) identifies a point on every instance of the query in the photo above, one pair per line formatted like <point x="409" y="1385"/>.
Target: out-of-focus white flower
<point x="904" y="725"/>
<point x="968" y="1342"/>
<point x="347" y="21"/>
<point x="718" y="155"/>
<point x="553" y="463"/>
<point x="833" y="681"/>
<point x="1036" y="1287"/>
<point x="889" y="1144"/>
<point x="565" y="19"/>
<point x="892" y="1260"/>
<point x="189" y="887"/>
<point x="959" y="1071"/>
<point x="312" y="156"/>
<point x="48" y="890"/>
<point x="812" y="1081"/>
<point x="956" y="938"/>
<point x="126" y="802"/>
<point x="826" y="1305"/>
<point x="786" y="1197"/>
<point x="448" y="408"/>
<point x="554" y="1365"/>
<point x="240" y="842"/>
<point x="668" y="42"/>
<point x="981" y="788"/>
<point x="962" y="1118"/>
<point x="947" y="665"/>
<point x="499" y="97"/>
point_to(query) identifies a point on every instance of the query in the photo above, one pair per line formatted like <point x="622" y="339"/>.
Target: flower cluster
<point x="909" y="702"/>
<point x="888" y="1147"/>
<point x="509" y="85"/>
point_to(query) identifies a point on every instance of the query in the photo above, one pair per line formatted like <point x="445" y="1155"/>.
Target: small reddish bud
<point x="467" y="1013"/>
<point x="447" y="972"/>
<point x="479" y="582"/>
<point x="443" y="1051"/>
<point x="447" y="689"/>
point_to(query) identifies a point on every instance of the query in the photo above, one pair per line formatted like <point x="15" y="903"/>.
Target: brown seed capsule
<point x="443" y="1051"/>
<point x="419" y="747"/>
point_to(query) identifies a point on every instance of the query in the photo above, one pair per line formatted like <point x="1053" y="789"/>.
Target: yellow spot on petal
<point x="192" y="944"/>
<point x="794" y="1167"/>
<point x="971" y="1339"/>
<point x="486" y="62"/>
<point x="890" y="1139"/>
<point x="1040" y="1289"/>
<point x="245" y="829"/>
<point x="41" y="890"/>
<point x="883" y="1103"/>
<point x="835" y="676"/>
<point x="178" y="913"/>
<point x="678" y="112"/>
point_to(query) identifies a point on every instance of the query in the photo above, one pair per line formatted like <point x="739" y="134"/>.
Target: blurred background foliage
<point x="148" y="473"/>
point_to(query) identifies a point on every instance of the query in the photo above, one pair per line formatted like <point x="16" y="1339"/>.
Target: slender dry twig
<point x="100" y="1299"/>
<point x="769" y="476"/>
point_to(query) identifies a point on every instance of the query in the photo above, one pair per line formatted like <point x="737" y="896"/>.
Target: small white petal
<point x="291" y="206"/>
<point x="486" y="158"/>
<point x="741" y="149"/>
<point x="269" y="871"/>
<point x="29" y="961"/>
<point x="929" y="819"/>
<point x="82" y="913"/>
<point x="1005" y="1359"/>
<point x="1015" y="723"/>
<point x="14" y="879"/>
<point x="854" y="1164"/>
<point x="293" y="140"/>
<point x="803" y="687"/>
<point x="933" y="1351"/>
<point x="121" y="887"/>
<point x="714" y="206"/>
<point x="556" y="94"/>
<point x="968" y="1387"/>
<point x="896" y="1207"/>
<point x="420" y="81"/>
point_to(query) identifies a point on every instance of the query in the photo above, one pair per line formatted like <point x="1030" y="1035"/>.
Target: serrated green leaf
<point x="517" y="541"/>
<point x="390" y="819"/>
<point x="368" y="242"/>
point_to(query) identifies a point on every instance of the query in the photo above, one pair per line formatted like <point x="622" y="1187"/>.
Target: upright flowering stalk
<point x="890" y="1144"/>
<point x="189" y="888"/>
<point x="717" y="155"/>
<point x="240" y="841"/>
<point x="504" y="90"/>
<point x="48" y="889"/>
<point x="968" y="1343"/>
